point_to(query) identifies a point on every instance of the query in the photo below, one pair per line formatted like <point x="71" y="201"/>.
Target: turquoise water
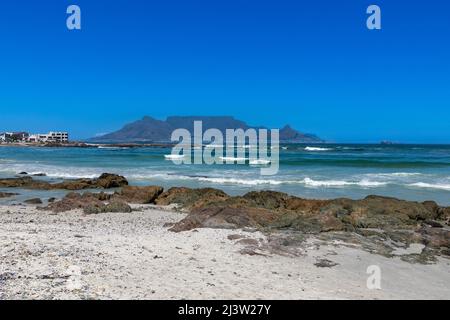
<point x="412" y="172"/>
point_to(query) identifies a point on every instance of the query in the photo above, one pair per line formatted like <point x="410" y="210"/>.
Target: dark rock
<point x="139" y="195"/>
<point x="191" y="198"/>
<point x="51" y="200"/>
<point x="270" y="209"/>
<point x="224" y="218"/>
<point x="39" y="175"/>
<point x="23" y="173"/>
<point x="74" y="201"/>
<point x="235" y="237"/>
<point x="248" y="242"/>
<point x="118" y="206"/>
<point x="7" y="194"/>
<point x="105" y="181"/>
<point x="114" y="206"/>
<point x="91" y="203"/>
<point x="33" y="201"/>
<point x="325" y="263"/>
<point x="435" y="237"/>
<point x="433" y="224"/>
<point x="109" y="180"/>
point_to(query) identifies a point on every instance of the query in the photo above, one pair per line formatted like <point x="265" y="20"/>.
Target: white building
<point x="49" y="137"/>
<point x="14" y="136"/>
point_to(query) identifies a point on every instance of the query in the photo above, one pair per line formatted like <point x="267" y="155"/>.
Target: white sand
<point x="132" y="256"/>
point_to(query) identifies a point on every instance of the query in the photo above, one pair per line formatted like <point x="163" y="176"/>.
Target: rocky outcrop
<point x="139" y="195"/>
<point x="91" y="203"/>
<point x="75" y="200"/>
<point x="304" y="215"/>
<point x="113" y="206"/>
<point x="191" y="198"/>
<point x="105" y="181"/>
<point x="373" y="222"/>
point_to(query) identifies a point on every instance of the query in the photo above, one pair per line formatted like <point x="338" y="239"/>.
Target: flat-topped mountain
<point x="149" y="129"/>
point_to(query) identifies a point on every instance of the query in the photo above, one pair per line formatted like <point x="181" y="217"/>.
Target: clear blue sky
<point x="312" y="64"/>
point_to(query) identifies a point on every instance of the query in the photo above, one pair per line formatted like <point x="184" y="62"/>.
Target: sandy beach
<point x="71" y="255"/>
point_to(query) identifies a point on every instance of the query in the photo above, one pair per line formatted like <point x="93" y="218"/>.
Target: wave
<point x="174" y="156"/>
<point x="112" y="148"/>
<point x="366" y="163"/>
<point x="441" y="186"/>
<point x="249" y="182"/>
<point x="393" y="174"/>
<point x="233" y="159"/>
<point x="342" y="183"/>
<point x="317" y="149"/>
<point x="259" y="162"/>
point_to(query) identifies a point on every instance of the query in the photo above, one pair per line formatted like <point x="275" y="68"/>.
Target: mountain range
<point x="149" y="129"/>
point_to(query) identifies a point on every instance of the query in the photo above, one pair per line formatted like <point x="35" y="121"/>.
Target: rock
<point x="325" y="263"/>
<point x="33" y="201"/>
<point x="433" y="224"/>
<point x="39" y="175"/>
<point x="275" y="210"/>
<point x="51" y="200"/>
<point x="118" y="206"/>
<point x="235" y="237"/>
<point x="74" y="201"/>
<point x="23" y="173"/>
<point x="114" y="206"/>
<point x="380" y="212"/>
<point x="435" y="237"/>
<point x="191" y="198"/>
<point x="91" y="203"/>
<point x="105" y="181"/>
<point x="7" y="194"/>
<point x="224" y="218"/>
<point x="22" y="182"/>
<point x="139" y="195"/>
<point x="248" y="242"/>
<point x="109" y="180"/>
<point x="94" y="209"/>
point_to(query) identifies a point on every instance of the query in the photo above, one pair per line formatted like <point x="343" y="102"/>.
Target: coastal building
<point x="14" y="136"/>
<point x="60" y="137"/>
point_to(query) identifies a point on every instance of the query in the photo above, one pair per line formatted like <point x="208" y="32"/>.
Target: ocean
<point x="410" y="172"/>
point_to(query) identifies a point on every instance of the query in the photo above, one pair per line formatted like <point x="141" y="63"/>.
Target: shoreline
<point x="133" y="256"/>
<point x="80" y="144"/>
<point x="107" y="240"/>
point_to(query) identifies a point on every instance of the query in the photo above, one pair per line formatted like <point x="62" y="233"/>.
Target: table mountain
<point x="149" y="129"/>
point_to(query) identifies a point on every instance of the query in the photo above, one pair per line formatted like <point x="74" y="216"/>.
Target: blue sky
<point x="312" y="64"/>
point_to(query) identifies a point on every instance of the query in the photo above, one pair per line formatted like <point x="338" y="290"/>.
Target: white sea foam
<point x="394" y="174"/>
<point x="173" y="156"/>
<point x="112" y="148"/>
<point x="317" y="149"/>
<point x="341" y="183"/>
<point x="249" y="182"/>
<point x="259" y="162"/>
<point x="442" y="186"/>
<point x="232" y="159"/>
